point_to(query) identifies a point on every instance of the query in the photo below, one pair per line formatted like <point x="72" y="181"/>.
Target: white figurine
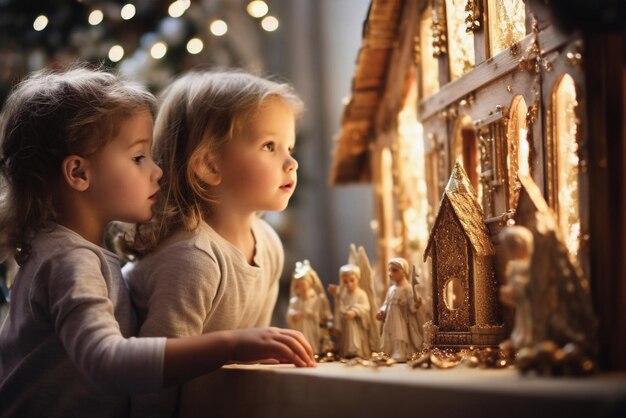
<point x="402" y="333"/>
<point x="352" y="313"/>
<point x="309" y="309"/>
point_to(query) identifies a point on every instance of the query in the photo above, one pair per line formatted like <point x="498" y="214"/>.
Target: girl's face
<point x="124" y="179"/>
<point x="258" y="172"/>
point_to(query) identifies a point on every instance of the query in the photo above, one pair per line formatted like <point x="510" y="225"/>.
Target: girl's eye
<point x="138" y="158"/>
<point x="292" y="150"/>
<point x="269" y="146"/>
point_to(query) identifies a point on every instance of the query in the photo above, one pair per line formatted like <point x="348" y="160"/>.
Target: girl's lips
<point x="154" y="196"/>
<point x="288" y="186"/>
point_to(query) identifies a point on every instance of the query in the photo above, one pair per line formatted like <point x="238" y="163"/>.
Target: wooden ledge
<point x="335" y="390"/>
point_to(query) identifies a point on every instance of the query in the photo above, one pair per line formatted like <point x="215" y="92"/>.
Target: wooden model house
<point x="465" y="308"/>
<point x="497" y="85"/>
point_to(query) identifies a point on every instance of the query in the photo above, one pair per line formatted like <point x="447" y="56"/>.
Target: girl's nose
<point x="157" y="172"/>
<point x="291" y="164"/>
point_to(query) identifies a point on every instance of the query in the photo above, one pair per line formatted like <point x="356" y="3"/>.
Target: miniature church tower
<point x="465" y="306"/>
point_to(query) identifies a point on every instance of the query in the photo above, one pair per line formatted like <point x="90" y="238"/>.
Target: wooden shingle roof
<point x="380" y="33"/>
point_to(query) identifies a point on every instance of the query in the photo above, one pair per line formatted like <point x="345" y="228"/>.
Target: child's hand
<point x="283" y="345"/>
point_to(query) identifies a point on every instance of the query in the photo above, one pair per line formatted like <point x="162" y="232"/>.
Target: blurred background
<point x="311" y="44"/>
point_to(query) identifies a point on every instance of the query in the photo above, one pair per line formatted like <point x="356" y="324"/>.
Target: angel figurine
<point x="355" y="306"/>
<point x="402" y="333"/>
<point x="309" y="310"/>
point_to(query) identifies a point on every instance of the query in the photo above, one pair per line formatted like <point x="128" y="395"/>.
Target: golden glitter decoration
<point x="439" y="35"/>
<point x="471" y="357"/>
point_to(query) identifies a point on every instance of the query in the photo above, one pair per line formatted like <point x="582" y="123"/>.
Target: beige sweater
<point x="64" y="349"/>
<point x="197" y="282"/>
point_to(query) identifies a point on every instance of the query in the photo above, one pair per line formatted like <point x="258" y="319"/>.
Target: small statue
<point x="517" y="245"/>
<point x="309" y="310"/>
<point x="402" y="334"/>
<point x="354" y="307"/>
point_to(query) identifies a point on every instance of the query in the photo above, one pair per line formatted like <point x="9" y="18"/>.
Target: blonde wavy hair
<point x="47" y="117"/>
<point x="199" y="112"/>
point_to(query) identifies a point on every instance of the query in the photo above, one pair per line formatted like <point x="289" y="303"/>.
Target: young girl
<point x="75" y="156"/>
<point x="224" y="141"/>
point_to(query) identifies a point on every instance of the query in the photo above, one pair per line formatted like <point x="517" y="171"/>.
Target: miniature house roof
<point x="464" y="203"/>
<point x="380" y="32"/>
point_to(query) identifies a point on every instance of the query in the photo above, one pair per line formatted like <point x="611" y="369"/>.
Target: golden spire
<point x="459" y="181"/>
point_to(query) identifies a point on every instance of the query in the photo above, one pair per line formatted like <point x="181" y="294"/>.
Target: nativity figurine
<point x="402" y="333"/>
<point x="355" y="308"/>
<point x="309" y="310"/>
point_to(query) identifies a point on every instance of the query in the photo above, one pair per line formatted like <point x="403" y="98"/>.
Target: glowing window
<point x="518" y="148"/>
<point x="506" y="23"/>
<point x="460" y="42"/>
<point x="566" y="164"/>
<point x="429" y="65"/>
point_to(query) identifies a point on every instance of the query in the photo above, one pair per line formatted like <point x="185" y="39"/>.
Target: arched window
<point x="518" y="148"/>
<point x="564" y="173"/>
<point x="465" y="149"/>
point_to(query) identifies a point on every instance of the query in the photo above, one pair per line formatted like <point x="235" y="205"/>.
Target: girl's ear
<point x="76" y="172"/>
<point x="205" y="165"/>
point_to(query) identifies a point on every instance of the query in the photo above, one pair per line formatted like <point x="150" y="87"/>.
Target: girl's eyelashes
<point x="269" y="146"/>
<point x="137" y="159"/>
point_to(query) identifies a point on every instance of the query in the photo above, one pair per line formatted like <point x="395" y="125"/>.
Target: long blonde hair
<point x="48" y="116"/>
<point x="199" y="112"/>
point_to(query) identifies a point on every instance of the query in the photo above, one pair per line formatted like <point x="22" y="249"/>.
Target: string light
<point x="269" y="23"/>
<point x="95" y="17"/>
<point x="218" y="27"/>
<point x="116" y="53"/>
<point x="257" y="8"/>
<point x="158" y="50"/>
<point x="128" y="11"/>
<point x="195" y="45"/>
<point x="40" y="23"/>
<point x="177" y="8"/>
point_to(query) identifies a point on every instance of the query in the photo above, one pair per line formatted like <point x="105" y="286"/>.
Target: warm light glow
<point x="565" y="132"/>
<point x="176" y="9"/>
<point x="411" y="183"/>
<point x="128" y="11"/>
<point x="507" y="23"/>
<point x="158" y="50"/>
<point x="257" y="8"/>
<point x="40" y="23"/>
<point x="95" y="17"/>
<point x="218" y="27"/>
<point x="195" y="45"/>
<point x="116" y="53"/>
<point x="460" y="43"/>
<point x="269" y="23"/>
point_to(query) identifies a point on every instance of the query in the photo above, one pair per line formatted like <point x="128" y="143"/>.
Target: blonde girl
<point x="207" y="261"/>
<point x="75" y="155"/>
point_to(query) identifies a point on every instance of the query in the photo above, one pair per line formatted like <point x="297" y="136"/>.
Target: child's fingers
<point x="300" y="337"/>
<point x="299" y="354"/>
